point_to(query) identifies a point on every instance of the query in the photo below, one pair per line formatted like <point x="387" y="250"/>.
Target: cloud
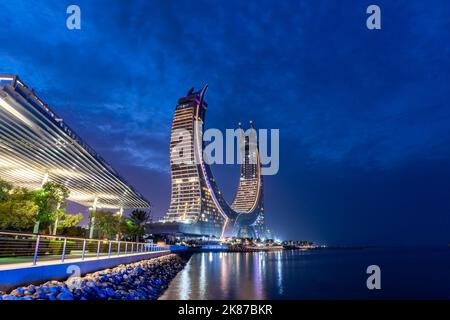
<point x="331" y="90"/>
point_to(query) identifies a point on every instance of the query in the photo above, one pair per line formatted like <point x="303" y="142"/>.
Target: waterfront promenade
<point x="143" y="280"/>
<point x="31" y="258"/>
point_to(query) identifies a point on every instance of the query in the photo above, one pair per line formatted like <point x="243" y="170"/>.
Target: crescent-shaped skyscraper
<point x="197" y="206"/>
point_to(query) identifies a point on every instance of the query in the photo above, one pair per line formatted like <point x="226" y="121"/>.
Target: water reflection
<point x="202" y="279"/>
<point x="258" y="264"/>
<point x="322" y="274"/>
<point x="185" y="282"/>
<point x="224" y="276"/>
<point x="279" y="272"/>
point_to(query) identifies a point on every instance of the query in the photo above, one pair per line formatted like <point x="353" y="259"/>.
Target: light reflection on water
<point x="225" y="276"/>
<point x="279" y="274"/>
<point x="321" y="274"/>
<point x="203" y="276"/>
<point x="185" y="282"/>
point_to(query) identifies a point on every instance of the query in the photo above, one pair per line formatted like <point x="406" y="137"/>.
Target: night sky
<point x="364" y="116"/>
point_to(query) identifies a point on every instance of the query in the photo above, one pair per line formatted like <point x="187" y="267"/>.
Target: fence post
<point x="109" y="249"/>
<point x="126" y="247"/>
<point x="98" y="249"/>
<point x="36" y="250"/>
<point x="84" y="249"/>
<point x="132" y="247"/>
<point x="63" y="255"/>
<point x="118" y="248"/>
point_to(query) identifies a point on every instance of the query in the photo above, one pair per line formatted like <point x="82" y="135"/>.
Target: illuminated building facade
<point x="249" y="197"/>
<point x="197" y="206"/>
<point x="192" y="201"/>
<point x="37" y="146"/>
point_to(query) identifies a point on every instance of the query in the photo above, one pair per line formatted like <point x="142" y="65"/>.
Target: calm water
<point x="406" y="273"/>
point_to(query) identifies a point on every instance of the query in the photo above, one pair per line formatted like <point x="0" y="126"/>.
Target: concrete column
<point x="55" y="227"/>
<point x="120" y="213"/>
<point x="36" y="227"/>
<point x="94" y="209"/>
<point x="44" y="181"/>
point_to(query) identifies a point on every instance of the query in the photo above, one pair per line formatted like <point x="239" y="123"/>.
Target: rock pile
<point x="144" y="280"/>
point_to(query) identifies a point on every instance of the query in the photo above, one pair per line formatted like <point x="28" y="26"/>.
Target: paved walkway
<point x="26" y="265"/>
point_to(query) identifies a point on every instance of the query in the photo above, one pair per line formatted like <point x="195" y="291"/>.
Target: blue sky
<point x="364" y="116"/>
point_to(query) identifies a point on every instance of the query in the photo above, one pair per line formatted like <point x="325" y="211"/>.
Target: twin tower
<point x="197" y="206"/>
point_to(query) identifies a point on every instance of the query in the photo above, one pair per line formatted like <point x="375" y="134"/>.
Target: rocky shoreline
<point x="143" y="280"/>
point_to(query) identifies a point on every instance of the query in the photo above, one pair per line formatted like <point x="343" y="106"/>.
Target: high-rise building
<point x="197" y="206"/>
<point x="193" y="200"/>
<point x="249" y="197"/>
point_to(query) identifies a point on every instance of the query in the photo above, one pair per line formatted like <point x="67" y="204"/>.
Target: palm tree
<point x="140" y="218"/>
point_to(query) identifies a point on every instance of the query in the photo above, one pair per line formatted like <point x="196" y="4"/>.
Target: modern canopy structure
<point x="197" y="206"/>
<point x="36" y="146"/>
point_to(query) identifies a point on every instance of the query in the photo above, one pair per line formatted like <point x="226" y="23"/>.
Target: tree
<point x="76" y="231"/>
<point x="67" y="220"/>
<point x="5" y="189"/>
<point x="62" y="220"/>
<point x="49" y="199"/>
<point x="67" y="224"/>
<point x="107" y="224"/>
<point x="20" y="208"/>
<point x="139" y="219"/>
<point x="18" y="211"/>
<point x="128" y="230"/>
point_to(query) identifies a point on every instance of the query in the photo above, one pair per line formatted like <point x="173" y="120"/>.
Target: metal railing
<point x="18" y="247"/>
